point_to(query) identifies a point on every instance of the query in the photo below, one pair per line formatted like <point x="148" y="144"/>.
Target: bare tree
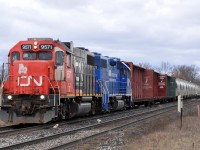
<point x="165" y="68"/>
<point x="189" y="73"/>
<point x="145" y="65"/>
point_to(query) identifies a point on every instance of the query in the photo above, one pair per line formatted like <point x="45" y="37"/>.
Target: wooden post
<point x="180" y="109"/>
<point x="181" y="118"/>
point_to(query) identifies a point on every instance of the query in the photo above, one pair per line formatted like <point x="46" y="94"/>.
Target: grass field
<point x="170" y="136"/>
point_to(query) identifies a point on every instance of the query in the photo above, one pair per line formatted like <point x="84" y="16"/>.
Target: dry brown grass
<point x="170" y="137"/>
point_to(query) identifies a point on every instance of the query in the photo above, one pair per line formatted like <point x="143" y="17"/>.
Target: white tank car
<point x="186" y="89"/>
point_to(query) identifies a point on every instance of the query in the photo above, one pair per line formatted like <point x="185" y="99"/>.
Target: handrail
<point x="53" y="90"/>
<point x="2" y="83"/>
<point x="101" y="85"/>
<point x="58" y="93"/>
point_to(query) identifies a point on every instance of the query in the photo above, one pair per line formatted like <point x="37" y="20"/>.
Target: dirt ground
<point x="170" y="136"/>
<point x="160" y="133"/>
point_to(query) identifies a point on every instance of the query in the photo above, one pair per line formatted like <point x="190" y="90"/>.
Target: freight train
<point x="47" y="79"/>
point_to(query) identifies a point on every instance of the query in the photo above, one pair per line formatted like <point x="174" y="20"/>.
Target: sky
<point x="151" y="31"/>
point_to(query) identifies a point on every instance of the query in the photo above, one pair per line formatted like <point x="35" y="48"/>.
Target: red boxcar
<point x="147" y="86"/>
<point x="137" y="78"/>
<point x="162" y="86"/>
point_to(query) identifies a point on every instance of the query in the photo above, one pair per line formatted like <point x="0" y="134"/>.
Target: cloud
<point x="147" y="30"/>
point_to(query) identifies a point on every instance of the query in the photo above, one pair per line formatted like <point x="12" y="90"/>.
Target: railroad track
<point x="98" y="127"/>
<point x="11" y="130"/>
<point x="19" y="129"/>
<point x="120" y="125"/>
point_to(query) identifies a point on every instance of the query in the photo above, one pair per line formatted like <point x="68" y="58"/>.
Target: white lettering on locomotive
<point x="29" y="81"/>
<point x="22" y="69"/>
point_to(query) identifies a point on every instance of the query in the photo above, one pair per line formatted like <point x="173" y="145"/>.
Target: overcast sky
<point x="134" y="30"/>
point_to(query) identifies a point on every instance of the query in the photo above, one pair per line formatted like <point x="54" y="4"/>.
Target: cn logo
<point x="22" y="69"/>
<point x="29" y="78"/>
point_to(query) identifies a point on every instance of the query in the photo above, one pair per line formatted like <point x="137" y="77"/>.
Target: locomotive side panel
<point x="84" y="72"/>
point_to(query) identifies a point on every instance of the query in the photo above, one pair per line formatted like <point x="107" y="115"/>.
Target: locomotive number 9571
<point x="46" y="46"/>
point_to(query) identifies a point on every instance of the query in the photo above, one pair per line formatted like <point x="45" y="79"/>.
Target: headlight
<point x="9" y="97"/>
<point x="42" y="97"/>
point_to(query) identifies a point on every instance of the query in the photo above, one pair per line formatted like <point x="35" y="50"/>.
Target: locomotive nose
<point x="31" y="77"/>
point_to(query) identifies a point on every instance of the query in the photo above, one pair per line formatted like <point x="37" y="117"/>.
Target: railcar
<point x="149" y="87"/>
<point x="50" y="80"/>
<point x="187" y="89"/>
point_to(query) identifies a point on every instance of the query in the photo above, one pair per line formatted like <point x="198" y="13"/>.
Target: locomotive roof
<point x="67" y="45"/>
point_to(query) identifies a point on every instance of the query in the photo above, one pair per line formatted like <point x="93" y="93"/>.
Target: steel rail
<point x="8" y="130"/>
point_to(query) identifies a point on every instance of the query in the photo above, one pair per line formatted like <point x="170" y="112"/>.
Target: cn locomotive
<point x="47" y="79"/>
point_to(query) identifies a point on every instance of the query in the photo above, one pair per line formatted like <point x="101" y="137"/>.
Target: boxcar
<point x="149" y="86"/>
<point x="143" y="81"/>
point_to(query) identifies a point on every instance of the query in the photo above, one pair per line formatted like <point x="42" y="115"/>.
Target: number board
<point x="26" y="47"/>
<point x="46" y="46"/>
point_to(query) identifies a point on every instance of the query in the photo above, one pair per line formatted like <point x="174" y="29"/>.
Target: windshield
<point x="29" y="56"/>
<point x="45" y="56"/>
<point x="41" y="56"/>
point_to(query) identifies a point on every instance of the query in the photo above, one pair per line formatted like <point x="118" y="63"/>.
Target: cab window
<point x="15" y="56"/>
<point x="29" y="56"/>
<point x="59" y="58"/>
<point x="45" y="56"/>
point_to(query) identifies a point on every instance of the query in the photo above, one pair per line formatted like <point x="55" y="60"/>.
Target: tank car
<point x="49" y="80"/>
<point x="186" y="89"/>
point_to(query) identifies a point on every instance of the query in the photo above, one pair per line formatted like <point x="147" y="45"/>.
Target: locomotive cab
<point x="36" y="69"/>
